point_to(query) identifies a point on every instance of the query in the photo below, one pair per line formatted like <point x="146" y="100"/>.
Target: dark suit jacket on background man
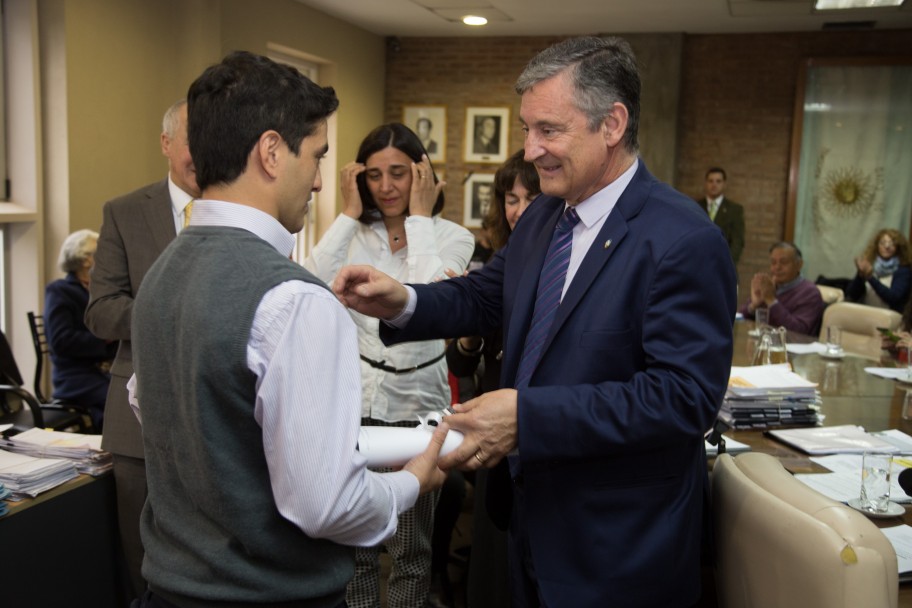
<point x="730" y="218"/>
<point x="135" y="229"/>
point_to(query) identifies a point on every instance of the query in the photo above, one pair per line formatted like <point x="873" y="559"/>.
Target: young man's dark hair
<point x="226" y="116"/>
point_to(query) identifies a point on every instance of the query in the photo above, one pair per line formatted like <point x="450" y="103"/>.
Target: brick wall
<point x="735" y="108"/>
<point x="459" y="73"/>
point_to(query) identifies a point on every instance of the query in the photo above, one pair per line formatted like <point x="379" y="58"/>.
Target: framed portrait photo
<point x="429" y="122"/>
<point x="478" y="196"/>
<point x="487" y="131"/>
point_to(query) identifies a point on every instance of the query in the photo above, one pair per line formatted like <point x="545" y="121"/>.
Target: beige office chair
<point x="780" y="543"/>
<point x="831" y="295"/>
<point x="859" y="324"/>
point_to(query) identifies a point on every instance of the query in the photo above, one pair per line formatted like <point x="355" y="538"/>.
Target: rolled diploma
<point x="391" y="446"/>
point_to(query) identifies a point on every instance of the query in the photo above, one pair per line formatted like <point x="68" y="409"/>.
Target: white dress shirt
<point x="433" y="245"/>
<point x="712" y="206"/>
<point x="303" y="351"/>
<point x="593" y="212"/>
<point x="179" y="200"/>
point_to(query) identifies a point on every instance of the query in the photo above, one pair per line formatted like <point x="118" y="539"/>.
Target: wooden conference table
<point x="849" y="395"/>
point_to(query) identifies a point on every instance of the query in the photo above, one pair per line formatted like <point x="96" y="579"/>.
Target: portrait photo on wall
<point x="429" y="122"/>
<point x="478" y="198"/>
<point x="487" y="131"/>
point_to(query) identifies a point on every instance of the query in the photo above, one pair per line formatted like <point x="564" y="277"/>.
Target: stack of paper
<point x="83" y="450"/>
<point x="901" y="539"/>
<point x="27" y="477"/>
<point x="765" y="396"/>
<point x="4" y="494"/>
<point x="844" y="439"/>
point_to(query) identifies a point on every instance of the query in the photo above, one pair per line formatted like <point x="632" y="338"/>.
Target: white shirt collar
<point x="600" y="204"/>
<point x="234" y="215"/>
<point x="179" y="198"/>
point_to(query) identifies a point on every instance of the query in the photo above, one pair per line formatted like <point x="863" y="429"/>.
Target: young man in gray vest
<point x="257" y="492"/>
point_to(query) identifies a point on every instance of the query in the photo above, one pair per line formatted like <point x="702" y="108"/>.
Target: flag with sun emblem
<point x="855" y="167"/>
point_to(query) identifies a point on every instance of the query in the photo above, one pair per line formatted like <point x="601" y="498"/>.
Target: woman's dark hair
<point x="395" y="135"/>
<point x="496" y="220"/>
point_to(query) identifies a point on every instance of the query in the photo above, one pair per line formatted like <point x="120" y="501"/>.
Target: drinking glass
<point x="834" y="341"/>
<point x="875" y="481"/>
<point x="907" y="406"/>
<point x="761" y="318"/>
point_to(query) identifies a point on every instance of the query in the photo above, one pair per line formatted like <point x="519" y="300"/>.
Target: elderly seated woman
<point x="80" y="362"/>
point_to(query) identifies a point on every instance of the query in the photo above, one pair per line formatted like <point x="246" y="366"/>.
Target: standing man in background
<point x="726" y="213"/>
<point x="136" y="228"/>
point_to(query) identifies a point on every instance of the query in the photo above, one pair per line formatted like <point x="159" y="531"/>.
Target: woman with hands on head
<point x="884" y="272"/>
<point x="391" y="220"/>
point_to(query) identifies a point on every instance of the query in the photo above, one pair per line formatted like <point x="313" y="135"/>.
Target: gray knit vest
<point x="210" y="526"/>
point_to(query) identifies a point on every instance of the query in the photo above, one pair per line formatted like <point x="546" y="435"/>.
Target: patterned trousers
<point x="409" y="549"/>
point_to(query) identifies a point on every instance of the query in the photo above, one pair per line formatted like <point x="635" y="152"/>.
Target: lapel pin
<point x="607" y="243"/>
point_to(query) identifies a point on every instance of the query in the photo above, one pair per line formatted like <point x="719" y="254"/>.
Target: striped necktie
<point x="188" y="210"/>
<point x="550" y="287"/>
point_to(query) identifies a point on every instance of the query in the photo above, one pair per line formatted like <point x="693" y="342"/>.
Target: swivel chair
<point x="859" y="323"/>
<point x="781" y="543"/>
<point x="14" y="397"/>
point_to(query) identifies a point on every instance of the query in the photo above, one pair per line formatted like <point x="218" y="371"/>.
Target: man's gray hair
<point x="787" y="245"/>
<point x="603" y="72"/>
<point x="172" y="117"/>
<point x="76" y="249"/>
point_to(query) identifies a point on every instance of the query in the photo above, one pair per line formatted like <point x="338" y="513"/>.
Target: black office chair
<point x="19" y="409"/>
<point x="39" y="341"/>
<point x="14" y="397"/>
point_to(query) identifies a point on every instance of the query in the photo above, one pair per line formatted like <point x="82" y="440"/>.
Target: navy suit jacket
<point x="75" y="352"/>
<point x="633" y="373"/>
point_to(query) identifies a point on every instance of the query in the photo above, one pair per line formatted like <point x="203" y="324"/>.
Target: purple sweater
<point x="798" y="307"/>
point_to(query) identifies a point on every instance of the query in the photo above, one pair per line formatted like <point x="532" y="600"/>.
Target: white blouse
<point x="433" y="245"/>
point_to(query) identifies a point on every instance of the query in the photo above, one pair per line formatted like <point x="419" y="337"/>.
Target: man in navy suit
<point x="605" y="439"/>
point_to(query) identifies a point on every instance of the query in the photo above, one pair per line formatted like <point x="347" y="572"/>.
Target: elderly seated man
<point x="793" y="301"/>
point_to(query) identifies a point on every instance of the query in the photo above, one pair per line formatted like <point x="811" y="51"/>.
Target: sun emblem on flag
<point x="848" y="191"/>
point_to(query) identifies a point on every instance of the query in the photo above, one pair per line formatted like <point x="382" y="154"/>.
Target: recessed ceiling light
<point x="474" y="20"/>
<point x="831" y="5"/>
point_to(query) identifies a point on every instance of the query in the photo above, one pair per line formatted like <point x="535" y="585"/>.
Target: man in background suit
<point x="726" y="213"/>
<point x="136" y="228"/>
<point x="605" y="436"/>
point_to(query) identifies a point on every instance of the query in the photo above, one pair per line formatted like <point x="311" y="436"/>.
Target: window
<point x="326" y="198"/>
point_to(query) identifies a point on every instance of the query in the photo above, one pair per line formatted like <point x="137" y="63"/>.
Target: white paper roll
<point x="391" y="446"/>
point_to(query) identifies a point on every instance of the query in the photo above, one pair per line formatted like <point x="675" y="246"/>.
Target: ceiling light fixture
<point x="832" y="5"/>
<point x="474" y="20"/>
